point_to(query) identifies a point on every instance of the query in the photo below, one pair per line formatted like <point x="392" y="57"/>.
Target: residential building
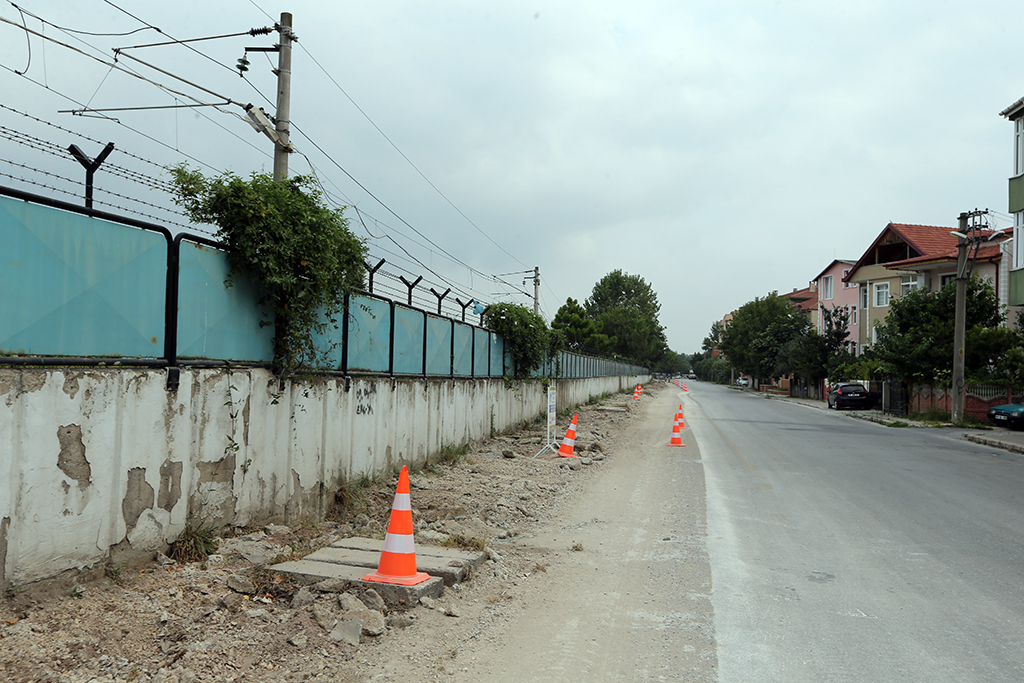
<point x="806" y="301"/>
<point x="879" y="283"/>
<point x="835" y="292"/>
<point x="1015" y="279"/>
<point x="992" y="262"/>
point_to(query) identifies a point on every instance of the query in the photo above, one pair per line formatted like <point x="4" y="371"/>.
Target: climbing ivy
<point x="527" y="337"/>
<point x="299" y="251"/>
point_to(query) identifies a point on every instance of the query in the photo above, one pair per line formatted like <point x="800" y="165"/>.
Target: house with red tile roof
<point x="806" y="301"/>
<point x="879" y="283"/>
<point x="992" y="261"/>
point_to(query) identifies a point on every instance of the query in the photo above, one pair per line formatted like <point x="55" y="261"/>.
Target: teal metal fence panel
<point x="329" y="342"/>
<point x="73" y="285"/>
<point x="481" y="353"/>
<point x="216" y="321"/>
<point x="439" y="345"/>
<point x="462" y="362"/>
<point x="369" y="334"/>
<point x="409" y="334"/>
<point x="497" y="354"/>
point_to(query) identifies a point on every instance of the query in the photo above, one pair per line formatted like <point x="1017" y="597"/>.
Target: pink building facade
<point x="845" y="296"/>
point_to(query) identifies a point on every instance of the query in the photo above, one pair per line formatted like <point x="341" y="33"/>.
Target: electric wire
<point x="71" y="30"/>
<point x="407" y="159"/>
<point x="440" y="249"/>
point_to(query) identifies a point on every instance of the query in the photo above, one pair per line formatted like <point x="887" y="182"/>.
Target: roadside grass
<point x="195" y="544"/>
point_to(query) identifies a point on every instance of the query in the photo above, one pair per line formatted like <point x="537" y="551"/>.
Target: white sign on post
<point x="552" y="414"/>
<point x="552" y="411"/>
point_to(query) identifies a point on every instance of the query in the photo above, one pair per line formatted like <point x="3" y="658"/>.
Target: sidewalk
<point x="997" y="437"/>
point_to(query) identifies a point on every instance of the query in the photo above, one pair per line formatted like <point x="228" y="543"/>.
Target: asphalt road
<point x="844" y="550"/>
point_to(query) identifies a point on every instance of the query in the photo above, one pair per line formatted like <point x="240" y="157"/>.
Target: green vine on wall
<point x="299" y="251"/>
<point x="527" y="337"/>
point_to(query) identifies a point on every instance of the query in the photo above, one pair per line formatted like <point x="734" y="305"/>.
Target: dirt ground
<point x="229" y="619"/>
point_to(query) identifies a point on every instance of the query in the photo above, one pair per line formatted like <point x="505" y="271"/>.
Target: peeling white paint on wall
<point x="96" y="459"/>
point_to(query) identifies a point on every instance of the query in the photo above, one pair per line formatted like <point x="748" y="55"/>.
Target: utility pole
<point x="960" y="321"/>
<point x="968" y="238"/>
<point x="536" y="290"/>
<point x="284" y="90"/>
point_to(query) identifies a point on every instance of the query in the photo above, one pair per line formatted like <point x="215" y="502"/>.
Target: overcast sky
<point x="720" y="150"/>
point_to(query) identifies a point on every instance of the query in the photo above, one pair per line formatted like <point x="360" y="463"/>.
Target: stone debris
<point x="372" y="599"/>
<point x="348" y="631"/>
<point x="325" y="617"/>
<point x="240" y="584"/>
<point x="303" y="598"/>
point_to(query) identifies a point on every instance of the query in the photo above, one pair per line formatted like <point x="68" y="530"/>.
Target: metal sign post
<point x="552" y="417"/>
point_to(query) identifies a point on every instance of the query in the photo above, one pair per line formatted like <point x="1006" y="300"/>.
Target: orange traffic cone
<point x="569" y="442"/>
<point x="684" y="388"/>
<point x="636" y="392"/>
<point x="398" y="559"/>
<point x="676" y="439"/>
<point x="679" y="413"/>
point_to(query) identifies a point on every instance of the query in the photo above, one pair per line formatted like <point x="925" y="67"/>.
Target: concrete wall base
<point x="102" y="461"/>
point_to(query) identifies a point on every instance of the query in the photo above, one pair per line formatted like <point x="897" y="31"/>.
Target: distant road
<point x="842" y="550"/>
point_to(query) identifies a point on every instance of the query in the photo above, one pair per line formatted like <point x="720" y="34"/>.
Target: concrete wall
<point x="95" y="463"/>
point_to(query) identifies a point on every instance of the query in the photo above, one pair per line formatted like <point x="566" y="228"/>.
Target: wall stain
<point x="138" y="498"/>
<point x="170" y="485"/>
<point x="8" y="380"/>
<point x="218" y="472"/>
<point x="5" y="524"/>
<point x="33" y="381"/>
<point x="71" y="383"/>
<point x="71" y="459"/>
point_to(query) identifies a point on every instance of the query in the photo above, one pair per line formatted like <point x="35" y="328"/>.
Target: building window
<point x="881" y="294"/>
<point x="853" y="315"/>
<point x="1018" y="146"/>
<point x="874" y="334"/>
<point x="1018" y="238"/>
<point x="947" y="279"/>
<point x="908" y="283"/>
<point x="846" y="274"/>
<point x="864" y="296"/>
<point x="826" y="288"/>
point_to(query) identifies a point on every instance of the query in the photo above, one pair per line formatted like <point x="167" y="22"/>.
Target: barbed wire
<point x="160" y="220"/>
<point x="96" y="188"/>
<point x="84" y="137"/>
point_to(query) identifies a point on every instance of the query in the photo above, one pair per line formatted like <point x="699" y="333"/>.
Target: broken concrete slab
<point x="369" y="560"/>
<point x="313" y="571"/>
<point x="449" y="563"/>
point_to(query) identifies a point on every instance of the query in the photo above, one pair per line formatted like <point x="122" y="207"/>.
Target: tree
<point x="811" y="355"/>
<point x="626" y="309"/>
<point x="299" y="251"/>
<point x="916" y="339"/>
<point x="581" y="331"/>
<point x="758" y="332"/>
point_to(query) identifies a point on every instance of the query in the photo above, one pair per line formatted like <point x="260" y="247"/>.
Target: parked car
<point x="743" y="381"/>
<point x="1010" y="415"/>
<point x="846" y="395"/>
